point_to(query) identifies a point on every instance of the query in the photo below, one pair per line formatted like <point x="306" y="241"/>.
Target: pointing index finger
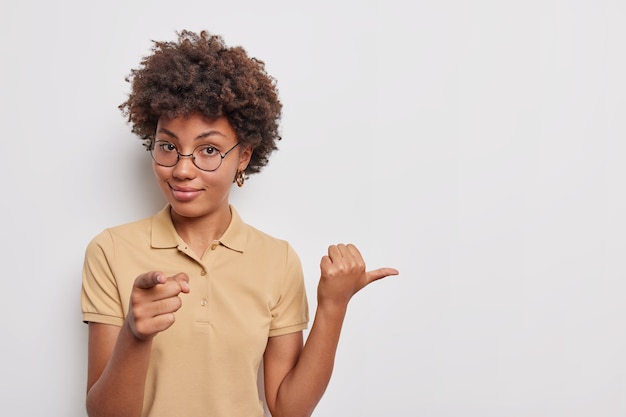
<point x="149" y="279"/>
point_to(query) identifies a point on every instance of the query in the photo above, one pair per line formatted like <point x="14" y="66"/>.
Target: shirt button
<point x="203" y="302"/>
<point x="214" y="245"/>
<point x="203" y="272"/>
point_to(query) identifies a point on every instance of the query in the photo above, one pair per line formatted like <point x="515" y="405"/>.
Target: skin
<point x="296" y="374"/>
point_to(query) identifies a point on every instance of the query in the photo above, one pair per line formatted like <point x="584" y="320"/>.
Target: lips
<point x="184" y="193"/>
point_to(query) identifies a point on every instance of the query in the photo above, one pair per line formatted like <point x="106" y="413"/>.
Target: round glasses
<point x="205" y="157"/>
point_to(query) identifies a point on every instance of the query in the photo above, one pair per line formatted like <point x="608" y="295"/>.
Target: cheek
<point x="160" y="173"/>
<point x="217" y="178"/>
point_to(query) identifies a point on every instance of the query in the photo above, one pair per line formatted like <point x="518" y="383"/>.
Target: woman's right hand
<point x="153" y="302"/>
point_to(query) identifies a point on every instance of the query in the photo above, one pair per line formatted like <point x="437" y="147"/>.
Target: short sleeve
<point x="291" y="313"/>
<point x="100" y="298"/>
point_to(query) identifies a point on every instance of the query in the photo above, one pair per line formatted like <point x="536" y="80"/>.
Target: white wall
<point x="477" y="146"/>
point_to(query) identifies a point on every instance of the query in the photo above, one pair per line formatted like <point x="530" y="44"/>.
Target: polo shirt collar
<point x="235" y="235"/>
<point x="164" y="234"/>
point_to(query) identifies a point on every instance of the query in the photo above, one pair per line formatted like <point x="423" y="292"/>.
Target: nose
<point x="184" y="168"/>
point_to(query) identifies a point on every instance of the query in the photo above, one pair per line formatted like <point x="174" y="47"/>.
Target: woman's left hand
<point x="343" y="274"/>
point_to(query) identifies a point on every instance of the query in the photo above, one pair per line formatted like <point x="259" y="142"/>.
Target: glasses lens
<point x="206" y="157"/>
<point x="164" y="153"/>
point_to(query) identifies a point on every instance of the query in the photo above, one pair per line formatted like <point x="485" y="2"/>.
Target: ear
<point x="245" y="154"/>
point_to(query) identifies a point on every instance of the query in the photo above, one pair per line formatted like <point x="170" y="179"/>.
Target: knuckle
<point x="169" y="305"/>
<point x="142" y="328"/>
<point x="177" y="303"/>
<point x="172" y="287"/>
<point x="135" y="296"/>
<point x="161" y="307"/>
<point x="331" y="271"/>
<point x="166" y="320"/>
<point x="138" y="311"/>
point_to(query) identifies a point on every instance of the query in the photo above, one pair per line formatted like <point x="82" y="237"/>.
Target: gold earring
<point x="240" y="178"/>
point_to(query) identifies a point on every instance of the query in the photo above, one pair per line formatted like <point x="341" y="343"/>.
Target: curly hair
<point x="199" y="73"/>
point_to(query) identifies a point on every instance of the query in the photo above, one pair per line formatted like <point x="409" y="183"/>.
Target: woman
<point x="185" y="306"/>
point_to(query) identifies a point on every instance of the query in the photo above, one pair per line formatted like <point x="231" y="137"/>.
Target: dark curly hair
<point x="199" y="73"/>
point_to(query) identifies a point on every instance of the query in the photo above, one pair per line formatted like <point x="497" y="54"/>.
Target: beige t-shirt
<point x="248" y="286"/>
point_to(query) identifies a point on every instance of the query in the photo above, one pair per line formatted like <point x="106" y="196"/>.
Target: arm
<point x="119" y="356"/>
<point x="296" y="376"/>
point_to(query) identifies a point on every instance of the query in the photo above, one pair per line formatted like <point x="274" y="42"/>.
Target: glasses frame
<point x="191" y="155"/>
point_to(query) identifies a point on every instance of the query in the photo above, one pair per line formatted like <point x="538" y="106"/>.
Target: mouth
<point x="184" y="193"/>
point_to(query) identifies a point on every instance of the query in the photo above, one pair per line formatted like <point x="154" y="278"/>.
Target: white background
<point x="476" y="146"/>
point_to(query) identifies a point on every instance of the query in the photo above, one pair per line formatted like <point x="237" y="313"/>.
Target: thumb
<point x="379" y="273"/>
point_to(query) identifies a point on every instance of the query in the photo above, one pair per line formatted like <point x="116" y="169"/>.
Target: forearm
<point x="304" y="386"/>
<point x="343" y="274"/>
<point x="119" y="390"/>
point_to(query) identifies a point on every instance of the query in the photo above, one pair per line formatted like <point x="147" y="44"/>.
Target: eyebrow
<point x="201" y="136"/>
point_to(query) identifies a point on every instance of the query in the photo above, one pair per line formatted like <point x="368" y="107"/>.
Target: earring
<point x="240" y="178"/>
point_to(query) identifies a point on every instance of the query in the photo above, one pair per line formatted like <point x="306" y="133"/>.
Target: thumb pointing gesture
<point x="343" y="274"/>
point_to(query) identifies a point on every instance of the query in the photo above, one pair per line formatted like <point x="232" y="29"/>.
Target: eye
<point x="206" y="150"/>
<point x="163" y="146"/>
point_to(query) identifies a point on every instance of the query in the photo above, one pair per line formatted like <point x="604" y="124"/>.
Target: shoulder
<point x="268" y="242"/>
<point x="122" y="234"/>
<point x="260" y="244"/>
<point x="243" y="236"/>
<point x="125" y="230"/>
<point x="260" y="235"/>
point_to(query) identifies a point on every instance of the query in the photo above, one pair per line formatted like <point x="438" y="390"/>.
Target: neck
<point x="200" y="232"/>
